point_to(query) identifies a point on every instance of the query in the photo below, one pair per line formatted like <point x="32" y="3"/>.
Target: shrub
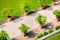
<point x="27" y="7"/>
<point x="45" y="33"/>
<point x="4" y="35"/>
<point x="23" y="28"/>
<point x="56" y="0"/>
<point x="50" y="31"/>
<point x="39" y="36"/>
<point x="40" y="19"/>
<point x="57" y="27"/>
<point x="44" y="2"/>
<point x="57" y="13"/>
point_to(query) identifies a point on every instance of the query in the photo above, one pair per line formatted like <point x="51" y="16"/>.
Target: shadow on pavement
<point x="13" y="39"/>
<point x="31" y="34"/>
<point x="48" y="26"/>
<point x="58" y="4"/>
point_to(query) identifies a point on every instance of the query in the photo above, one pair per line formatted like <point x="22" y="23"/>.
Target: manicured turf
<point x="54" y="37"/>
<point x="16" y="7"/>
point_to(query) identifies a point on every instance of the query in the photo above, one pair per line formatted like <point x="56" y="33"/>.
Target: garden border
<point x="44" y="37"/>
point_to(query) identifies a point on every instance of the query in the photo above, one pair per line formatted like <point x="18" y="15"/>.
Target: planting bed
<point x="52" y="36"/>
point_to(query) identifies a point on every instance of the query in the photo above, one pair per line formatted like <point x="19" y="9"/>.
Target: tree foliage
<point x="40" y="19"/>
<point x="4" y="35"/>
<point x="23" y="28"/>
<point x="56" y="13"/>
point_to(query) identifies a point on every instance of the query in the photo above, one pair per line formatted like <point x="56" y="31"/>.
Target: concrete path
<point x="12" y="27"/>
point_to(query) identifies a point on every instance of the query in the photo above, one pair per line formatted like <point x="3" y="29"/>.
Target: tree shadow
<point x="47" y="7"/>
<point x="48" y="26"/>
<point x="31" y="34"/>
<point x="15" y="17"/>
<point x="1" y="26"/>
<point x="17" y="20"/>
<point x="31" y="12"/>
<point x="13" y="39"/>
<point x="58" y="4"/>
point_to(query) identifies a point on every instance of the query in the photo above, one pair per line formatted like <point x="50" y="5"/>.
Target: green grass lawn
<point x="54" y="37"/>
<point x="16" y="7"/>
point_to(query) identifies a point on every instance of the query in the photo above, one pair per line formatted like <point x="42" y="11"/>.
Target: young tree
<point x="57" y="14"/>
<point x="26" y="8"/>
<point x="44" y="3"/>
<point x="4" y="35"/>
<point x="41" y="20"/>
<point x="23" y="28"/>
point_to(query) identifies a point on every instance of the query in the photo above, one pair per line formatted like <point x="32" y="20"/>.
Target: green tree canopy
<point x="23" y="28"/>
<point x="56" y="13"/>
<point x="40" y="19"/>
<point x="4" y="35"/>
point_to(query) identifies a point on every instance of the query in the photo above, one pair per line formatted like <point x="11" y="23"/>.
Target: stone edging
<point x="44" y="37"/>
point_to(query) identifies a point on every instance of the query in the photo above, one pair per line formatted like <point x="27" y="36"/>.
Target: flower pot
<point x="53" y="3"/>
<point x="41" y="26"/>
<point x="58" y="19"/>
<point x="41" y="7"/>
<point x="26" y="13"/>
<point x="24" y="34"/>
<point x="9" y="18"/>
<point x="58" y="0"/>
